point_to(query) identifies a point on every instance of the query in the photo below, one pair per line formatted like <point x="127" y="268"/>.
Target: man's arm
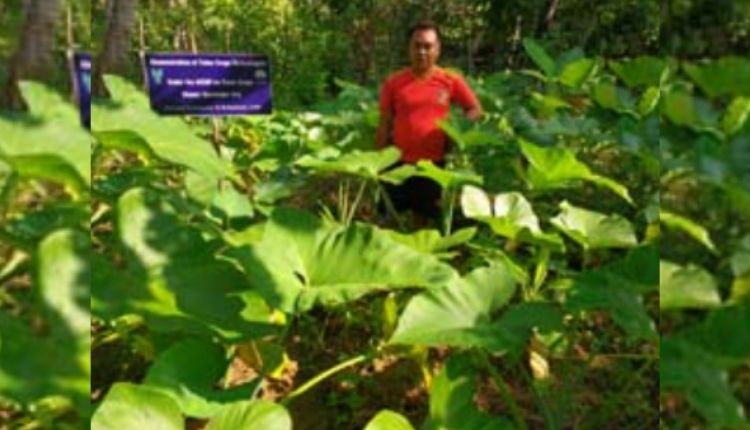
<point x="383" y="138"/>
<point x="465" y="97"/>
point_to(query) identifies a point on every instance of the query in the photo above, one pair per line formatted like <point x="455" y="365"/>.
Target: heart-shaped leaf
<point x="48" y="143"/>
<point x="576" y="73"/>
<point x="556" y="167"/>
<point x="171" y="139"/>
<point x="431" y="242"/>
<point x="461" y="314"/>
<point x="447" y="179"/>
<point x="389" y="420"/>
<point x="686" y="110"/>
<point x="594" y="230"/>
<point x="189" y="373"/>
<point x="723" y="77"/>
<point x="686" y="287"/>
<point x="363" y="164"/>
<point x="298" y="263"/>
<point x="256" y="415"/>
<point x="174" y="277"/>
<point x="509" y="215"/>
<point x="134" y="407"/>
<point x="640" y="72"/>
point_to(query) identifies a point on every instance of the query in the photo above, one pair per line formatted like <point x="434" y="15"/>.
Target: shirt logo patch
<point x="443" y="97"/>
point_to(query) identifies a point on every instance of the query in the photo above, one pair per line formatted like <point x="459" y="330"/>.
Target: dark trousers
<point x="418" y="194"/>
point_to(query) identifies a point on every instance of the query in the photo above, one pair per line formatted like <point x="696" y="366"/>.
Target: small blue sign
<point x="209" y="84"/>
<point x="82" y="85"/>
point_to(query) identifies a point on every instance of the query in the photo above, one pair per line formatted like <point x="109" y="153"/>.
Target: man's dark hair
<point x="425" y="24"/>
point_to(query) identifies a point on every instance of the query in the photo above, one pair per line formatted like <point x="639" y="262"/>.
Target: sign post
<point x="209" y="84"/>
<point x="82" y="85"/>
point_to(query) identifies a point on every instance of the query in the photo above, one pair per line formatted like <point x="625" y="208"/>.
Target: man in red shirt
<point x="412" y="100"/>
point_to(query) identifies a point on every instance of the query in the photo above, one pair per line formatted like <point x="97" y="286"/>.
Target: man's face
<point x="424" y="49"/>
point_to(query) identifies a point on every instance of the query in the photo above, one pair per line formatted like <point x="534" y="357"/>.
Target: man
<point x="412" y="100"/>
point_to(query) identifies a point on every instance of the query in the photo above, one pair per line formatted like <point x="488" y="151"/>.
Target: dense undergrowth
<point x="591" y="269"/>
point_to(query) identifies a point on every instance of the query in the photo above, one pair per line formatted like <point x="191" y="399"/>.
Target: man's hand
<point x="474" y="113"/>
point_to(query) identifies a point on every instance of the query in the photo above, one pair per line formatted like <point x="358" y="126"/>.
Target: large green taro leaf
<point x="171" y="139"/>
<point x="723" y="334"/>
<point x="432" y="242"/>
<point x="723" y="77"/>
<point x="301" y="261"/>
<point x="173" y="276"/>
<point x="48" y="103"/>
<point x="736" y="115"/>
<point x="256" y="415"/>
<point x="509" y="215"/>
<point x="687" y="369"/>
<point x="126" y="140"/>
<point x="607" y="94"/>
<point x="512" y="209"/>
<point x="577" y="72"/>
<point x="223" y="202"/>
<point x="49" y="142"/>
<point x="366" y="164"/>
<point x="467" y="134"/>
<point x="133" y="407"/>
<point x="389" y="420"/>
<point x="446" y="178"/>
<point x="619" y="289"/>
<point x="64" y="278"/>
<point x="56" y="362"/>
<point x="452" y="404"/>
<point x="594" y="230"/>
<point x="556" y="167"/>
<point x="189" y="372"/>
<point x="686" y="287"/>
<point x="687" y="110"/>
<point x="27" y="229"/>
<point x="461" y="314"/>
<point x="689" y="227"/>
<point x="541" y="58"/>
<point x="640" y="72"/>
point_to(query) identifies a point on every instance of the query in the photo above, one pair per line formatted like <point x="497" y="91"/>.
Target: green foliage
<point x="47" y="144"/>
<point x="132" y="406"/>
<point x="461" y="315"/>
<point x="594" y="230"/>
<point x="389" y="420"/>
<point x="619" y="289"/>
<point x="188" y="373"/>
<point x="297" y="263"/>
<point x="44" y="357"/>
<point x="522" y="286"/>
<point x="252" y="416"/>
<point x="213" y="250"/>
<point x="451" y="401"/>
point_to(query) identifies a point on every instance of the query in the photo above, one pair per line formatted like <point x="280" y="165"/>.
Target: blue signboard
<point x="82" y="85"/>
<point x="209" y="84"/>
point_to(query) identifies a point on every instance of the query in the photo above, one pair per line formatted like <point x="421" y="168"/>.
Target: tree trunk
<point x="549" y="18"/>
<point x="515" y="41"/>
<point x="33" y="57"/>
<point x="113" y="57"/>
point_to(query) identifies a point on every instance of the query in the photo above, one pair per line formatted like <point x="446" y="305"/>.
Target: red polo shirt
<point x="416" y="104"/>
